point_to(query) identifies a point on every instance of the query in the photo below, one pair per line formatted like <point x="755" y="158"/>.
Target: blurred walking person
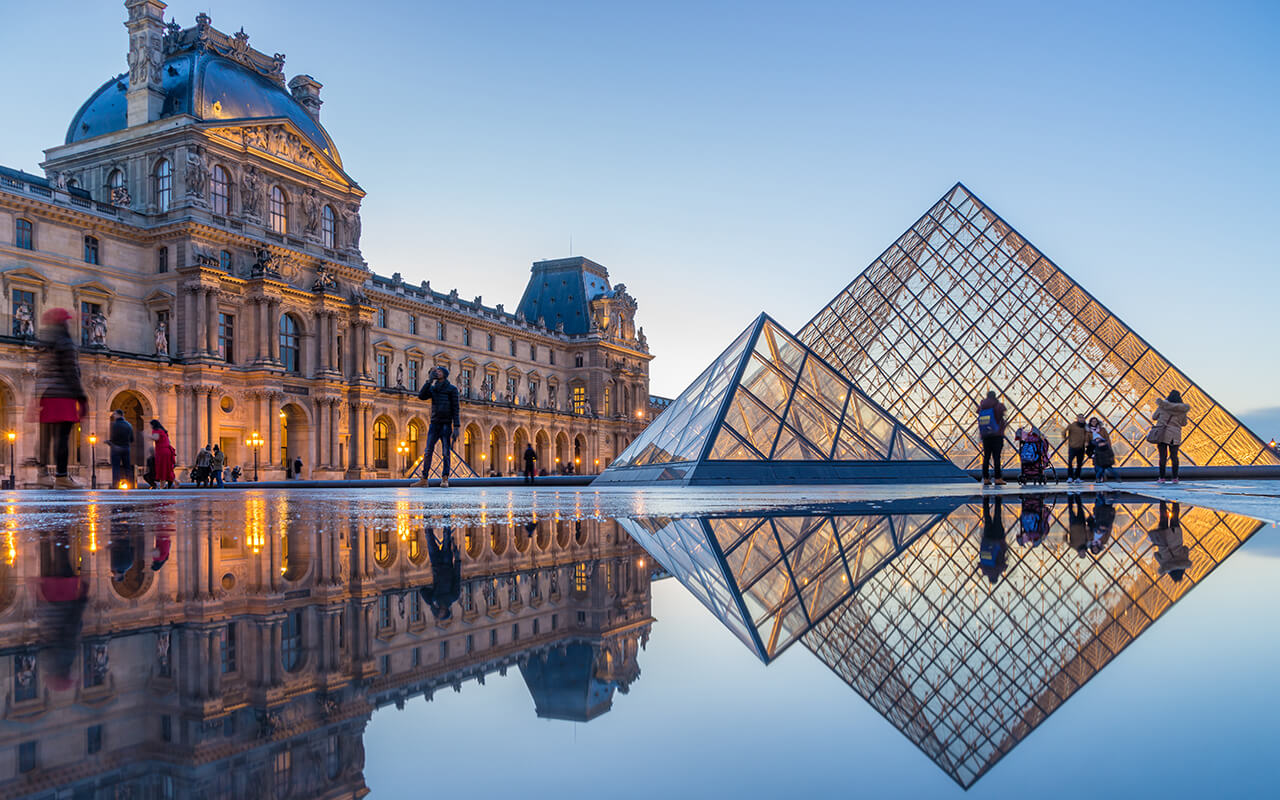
<point x="1166" y="431"/>
<point x="120" y="444"/>
<point x="61" y="397"/>
<point x="166" y="457"/>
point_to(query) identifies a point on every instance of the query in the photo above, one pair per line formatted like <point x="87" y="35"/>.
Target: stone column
<point x="208" y="416"/>
<point x="259" y="329"/>
<point x="366" y="350"/>
<point x="199" y="395"/>
<point x="353" y="436"/>
<point x="192" y="343"/>
<point x="366" y="425"/>
<point x="273" y="429"/>
<point x="334" y="333"/>
<point x="334" y="413"/>
<point x="211" y="314"/>
<point x="321" y="349"/>
<point x="317" y="434"/>
<point x="273" y="330"/>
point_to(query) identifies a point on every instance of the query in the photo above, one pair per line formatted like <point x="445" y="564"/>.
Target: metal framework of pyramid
<point x="458" y="466"/>
<point x="962" y="303"/>
<point x="769" y="411"/>
<point x="889" y="601"/>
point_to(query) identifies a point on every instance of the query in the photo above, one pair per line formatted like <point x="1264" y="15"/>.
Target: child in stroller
<point x="1033" y="452"/>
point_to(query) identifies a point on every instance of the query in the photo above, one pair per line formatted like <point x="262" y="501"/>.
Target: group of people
<point x="208" y="466"/>
<point x="1083" y="439"/>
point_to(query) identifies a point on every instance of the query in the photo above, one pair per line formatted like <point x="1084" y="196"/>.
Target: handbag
<point x="1156" y="434"/>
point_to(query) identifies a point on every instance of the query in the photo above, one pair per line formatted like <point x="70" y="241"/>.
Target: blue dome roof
<point x="208" y="87"/>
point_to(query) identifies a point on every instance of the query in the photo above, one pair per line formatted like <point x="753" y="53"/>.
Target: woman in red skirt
<point x="62" y="398"/>
<point x="165" y="456"/>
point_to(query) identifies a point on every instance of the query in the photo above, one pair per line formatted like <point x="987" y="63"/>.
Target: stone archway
<point x="497" y="449"/>
<point x="471" y="449"/>
<point x="295" y="438"/>
<point x="542" y="446"/>
<point x="137" y="412"/>
<point x="515" y="459"/>
<point x="562" y="452"/>
<point x="580" y="463"/>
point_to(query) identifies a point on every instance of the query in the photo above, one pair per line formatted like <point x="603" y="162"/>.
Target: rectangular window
<point x="91" y="249"/>
<point x="535" y="626"/>
<point x="515" y="632"/>
<point x="26" y="756"/>
<point x="227" y="648"/>
<point x="382" y="318"/>
<point x="464" y="383"/>
<point x="580" y="576"/>
<point x="413" y="372"/>
<point x="93" y="739"/>
<point x="24" y="313"/>
<point x="551" y="357"/>
<point x="490" y="343"/>
<point x="493" y="638"/>
<point x="466" y="336"/>
<point x="444" y="651"/>
<point x="513" y="386"/>
<point x="577" y="359"/>
<point x="339" y="364"/>
<point x="386" y="665"/>
<point x="533" y="393"/>
<point x="384" y="611"/>
<point x="441" y="330"/>
<point x="555" y="622"/>
<point x="94" y="672"/>
<point x="533" y="352"/>
<point x="22" y="235"/>
<point x="471" y="643"/>
<point x="227" y="337"/>
<point x="582" y="618"/>
<point x="579" y="400"/>
<point x="417" y="657"/>
<point x="607" y="409"/>
<point x="512" y="345"/>
<point x="87" y="313"/>
<point x="162" y="260"/>
<point x="413" y="324"/>
<point x="166" y="728"/>
<point x="415" y="607"/>
<point x="382" y="369"/>
<point x="24" y="677"/>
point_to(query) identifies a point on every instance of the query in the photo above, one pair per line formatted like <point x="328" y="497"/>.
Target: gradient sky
<point x="723" y="158"/>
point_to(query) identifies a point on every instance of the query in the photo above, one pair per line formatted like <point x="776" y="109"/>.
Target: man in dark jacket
<point x="120" y="445"/>
<point x="991" y="429"/>
<point x="529" y="457"/>
<point x="445" y="410"/>
<point x="446" y="575"/>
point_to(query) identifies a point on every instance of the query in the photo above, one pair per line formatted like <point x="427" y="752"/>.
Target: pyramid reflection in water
<point x="962" y="303"/>
<point x="895" y="605"/>
<point x="770" y="411"/>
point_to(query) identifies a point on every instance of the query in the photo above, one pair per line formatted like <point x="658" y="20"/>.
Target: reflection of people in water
<point x="64" y="593"/>
<point x="1077" y="525"/>
<point x="446" y="574"/>
<point x="1172" y="555"/>
<point x="121" y="551"/>
<point x="1100" y="523"/>
<point x="993" y="555"/>
<point x="164" y="528"/>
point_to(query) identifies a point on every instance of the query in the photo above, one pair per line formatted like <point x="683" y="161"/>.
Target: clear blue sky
<point x="723" y="158"/>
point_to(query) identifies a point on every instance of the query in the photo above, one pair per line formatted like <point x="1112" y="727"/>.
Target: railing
<point x="70" y="199"/>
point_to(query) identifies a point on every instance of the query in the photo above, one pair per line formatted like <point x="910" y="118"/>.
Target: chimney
<point x="306" y="90"/>
<point x="146" y="55"/>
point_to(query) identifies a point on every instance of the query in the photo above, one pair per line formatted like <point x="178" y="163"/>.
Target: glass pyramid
<point x="769" y="410"/>
<point x="458" y="467"/>
<point x="962" y="303"/>
<point x="891" y="600"/>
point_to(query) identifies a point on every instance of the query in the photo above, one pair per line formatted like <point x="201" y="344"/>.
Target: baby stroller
<point x="1033" y="452"/>
<point x="1034" y="520"/>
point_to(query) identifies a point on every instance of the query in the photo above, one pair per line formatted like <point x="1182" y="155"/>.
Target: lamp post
<point x="255" y="441"/>
<point x="93" y="461"/>
<point x="13" y="437"/>
<point x="402" y="450"/>
<point x="510" y="468"/>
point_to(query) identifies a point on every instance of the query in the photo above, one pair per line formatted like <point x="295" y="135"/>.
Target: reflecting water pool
<point x="295" y="644"/>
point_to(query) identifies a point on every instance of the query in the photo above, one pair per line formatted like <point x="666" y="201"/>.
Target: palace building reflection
<point x="965" y="627"/>
<point x="239" y="650"/>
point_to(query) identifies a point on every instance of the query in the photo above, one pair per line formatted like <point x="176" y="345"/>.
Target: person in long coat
<point x="61" y="397"/>
<point x="1168" y="421"/>
<point x="166" y="456"/>
<point x="1173" y="556"/>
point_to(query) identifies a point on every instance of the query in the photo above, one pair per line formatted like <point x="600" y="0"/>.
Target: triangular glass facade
<point x="458" y="467"/>
<point x="768" y="398"/>
<point x="893" y="602"/>
<point x="962" y="303"/>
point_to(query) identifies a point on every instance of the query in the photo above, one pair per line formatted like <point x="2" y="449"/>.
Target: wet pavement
<point x="905" y="640"/>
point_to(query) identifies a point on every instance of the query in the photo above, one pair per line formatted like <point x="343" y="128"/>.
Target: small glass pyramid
<point x="458" y="466"/>
<point x="769" y="410"/>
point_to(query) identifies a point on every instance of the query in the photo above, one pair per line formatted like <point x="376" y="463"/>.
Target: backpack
<point x="987" y="425"/>
<point x="1029" y="452"/>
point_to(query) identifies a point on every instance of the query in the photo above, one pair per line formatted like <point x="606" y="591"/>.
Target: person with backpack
<point x="993" y="551"/>
<point x="1166" y="430"/>
<point x="1076" y="437"/>
<point x="991" y="425"/>
<point x="1104" y="457"/>
<point x="530" y="456"/>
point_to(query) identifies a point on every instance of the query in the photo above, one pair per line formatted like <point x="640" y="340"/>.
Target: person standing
<point x="445" y="421"/>
<point x="1168" y="421"/>
<point x="201" y="471"/>
<point x="991" y="424"/>
<point x="1173" y="556"/>
<point x="166" y="457"/>
<point x="61" y="396"/>
<point x="216" y="463"/>
<point x="529" y="457"/>
<point x="297" y="468"/>
<point x="120" y="445"/>
<point x="993" y="552"/>
<point x="1104" y="457"/>
<point x="1076" y="437"/>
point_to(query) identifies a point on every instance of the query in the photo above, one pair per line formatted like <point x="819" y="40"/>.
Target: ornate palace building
<point x="249" y="663"/>
<point x="200" y="225"/>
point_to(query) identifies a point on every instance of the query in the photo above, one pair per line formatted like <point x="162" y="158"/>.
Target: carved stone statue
<point x="197" y="174"/>
<point x="58" y="180"/>
<point x="250" y="198"/>
<point x="264" y="266"/>
<point x="324" y="282"/>
<point x="255" y="137"/>
<point x="640" y="338"/>
<point x="352" y="217"/>
<point x="400" y="376"/>
<point x="23" y="321"/>
<point x="162" y="338"/>
<point x="97" y="330"/>
<point x="311" y="212"/>
<point x="120" y="197"/>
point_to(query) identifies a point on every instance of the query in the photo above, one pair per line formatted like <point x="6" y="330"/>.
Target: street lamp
<point x="509" y="467"/>
<point x="256" y="442"/>
<point x="402" y="450"/>
<point x="13" y="436"/>
<point x="93" y="461"/>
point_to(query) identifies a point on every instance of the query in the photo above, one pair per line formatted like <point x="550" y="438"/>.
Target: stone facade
<point x="250" y="662"/>
<point x="209" y="251"/>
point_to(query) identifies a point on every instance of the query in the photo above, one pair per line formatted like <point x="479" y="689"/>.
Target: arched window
<point x="328" y="227"/>
<point x="415" y="433"/>
<point x="220" y="190"/>
<point x="380" y="459"/>
<point x="164" y="185"/>
<point x="290" y="350"/>
<point x="23" y="236"/>
<point x="278" y="211"/>
<point x="291" y="641"/>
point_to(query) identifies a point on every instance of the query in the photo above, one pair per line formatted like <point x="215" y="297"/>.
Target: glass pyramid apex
<point x="770" y="410"/>
<point x="962" y="303"/>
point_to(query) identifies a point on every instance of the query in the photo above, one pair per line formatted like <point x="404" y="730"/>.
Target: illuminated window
<point x="380" y="449"/>
<point x="608" y="396"/>
<point x="328" y="227"/>
<point x="382" y="549"/>
<point x="580" y="577"/>
<point x="277" y="211"/>
<point x="579" y="400"/>
<point x="226" y="337"/>
<point x="164" y="185"/>
<point x="220" y="191"/>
